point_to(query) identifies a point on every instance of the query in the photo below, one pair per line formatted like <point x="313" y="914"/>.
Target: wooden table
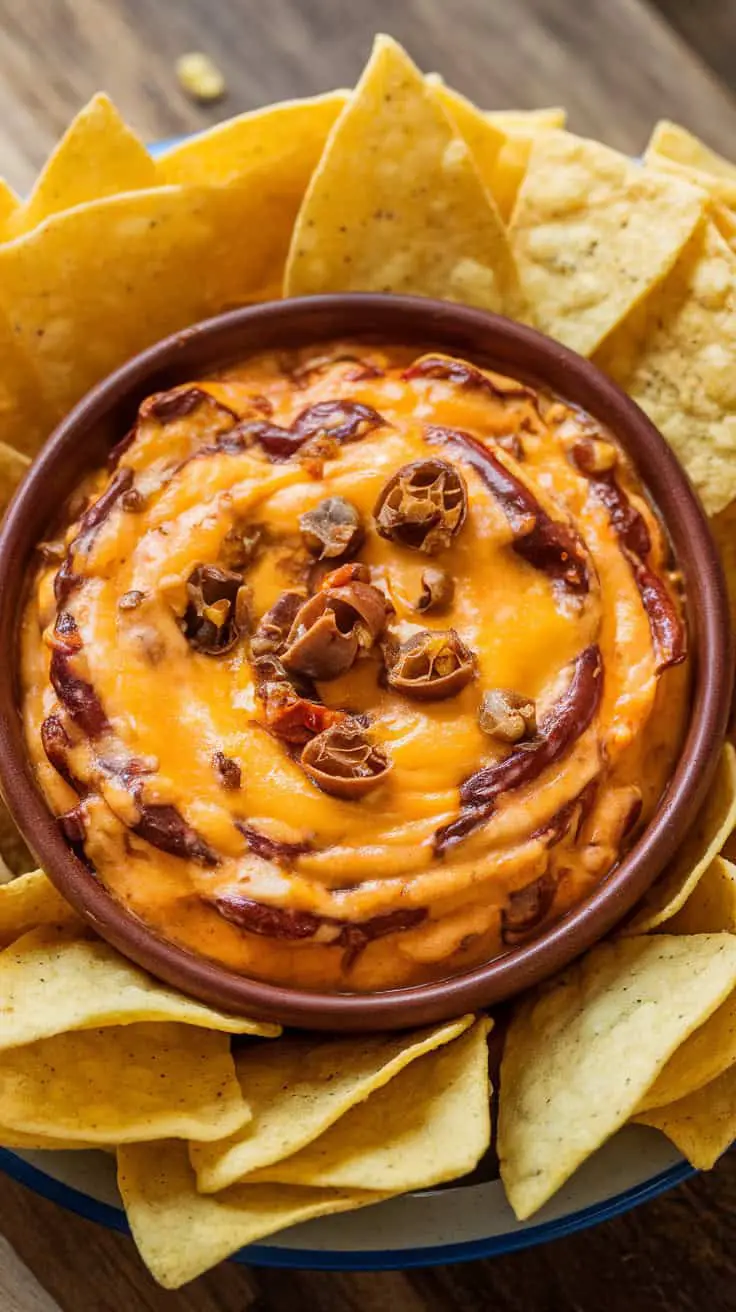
<point x="618" y="65"/>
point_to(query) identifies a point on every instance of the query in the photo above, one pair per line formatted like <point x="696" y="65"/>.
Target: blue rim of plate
<point x="113" y="1218"/>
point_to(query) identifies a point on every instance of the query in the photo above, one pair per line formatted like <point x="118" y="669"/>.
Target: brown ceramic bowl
<point x="82" y="441"/>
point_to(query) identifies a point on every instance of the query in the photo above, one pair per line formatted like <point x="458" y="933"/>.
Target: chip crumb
<point x="200" y="77"/>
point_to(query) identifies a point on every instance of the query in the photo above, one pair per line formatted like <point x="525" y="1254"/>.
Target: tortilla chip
<point x="702" y="1125"/>
<point x="51" y="983"/>
<point x="430" y="1124"/>
<point x="592" y="232"/>
<point x="126" y="1085"/>
<point x="180" y="1233"/>
<point x="706" y="1055"/>
<point x="704" y="841"/>
<point x="711" y="907"/>
<point x="677" y="151"/>
<point x="292" y="133"/>
<point x="299" y="1087"/>
<point x="521" y="129"/>
<point x="98" y="156"/>
<point x="40" y="1142"/>
<point x="9" y="202"/>
<point x="527" y="121"/>
<point x="582" y="1052"/>
<point x="13" y="850"/>
<point x="13" y="467"/>
<point x="96" y="284"/>
<point x="396" y="203"/>
<point x="29" y="901"/>
<point x="25" y="421"/>
<point x="483" y="140"/>
<point x="674" y="357"/>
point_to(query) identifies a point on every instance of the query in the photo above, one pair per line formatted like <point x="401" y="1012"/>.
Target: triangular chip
<point x="180" y="1233"/>
<point x="705" y="838"/>
<point x="430" y="1124"/>
<point x="30" y="901"/>
<point x="13" y="850"/>
<point x="592" y="232"/>
<point x="98" y="156"/>
<point x="9" y="203"/>
<point x="711" y="907"/>
<point x="25" y="421"/>
<point x="13" y="467"/>
<point x="520" y="128"/>
<point x="98" y="283"/>
<point x="675" y="357"/>
<point x="581" y="1053"/>
<point x="299" y="1087"/>
<point x="703" y="1125"/>
<point x="677" y="151"/>
<point x="705" y="1056"/>
<point x="292" y="133"/>
<point x="396" y="203"/>
<point x="51" y="982"/>
<point x="483" y="140"/>
<point x="129" y="1085"/>
<point x="723" y="528"/>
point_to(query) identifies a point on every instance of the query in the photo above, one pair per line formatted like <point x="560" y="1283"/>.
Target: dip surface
<point x="464" y="707"/>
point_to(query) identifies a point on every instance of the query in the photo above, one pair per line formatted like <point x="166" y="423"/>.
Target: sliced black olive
<point x="423" y="505"/>
<point x="342" y="761"/>
<point x="431" y="665"/>
<point x="273" y="627"/>
<point x="507" y="716"/>
<point x="332" y="530"/>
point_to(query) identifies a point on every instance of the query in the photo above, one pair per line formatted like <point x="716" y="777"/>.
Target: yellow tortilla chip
<point x="299" y="1087"/>
<point x="711" y="907"/>
<point x="520" y="129"/>
<point x="40" y="1142"/>
<point x="126" y="1085"/>
<point x="96" y="284"/>
<point x="704" y="841"/>
<point x="9" y="202"/>
<point x="51" y="983"/>
<point x="13" y="467"/>
<point x="13" y="851"/>
<point x="430" y="1124"/>
<point x="483" y="140"/>
<point x="25" y="421"/>
<point x="677" y="151"/>
<point x="581" y="1053"/>
<point x="29" y="901"/>
<point x="703" y="1125"/>
<point x="292" y="133"/>
<point x="180" y="1233"/>
<point x="98" y="156"/>
<point x="674" y="357"/>
<point x="705" y="1056"/>
<point x="396" y="203"/>
<point x="592" y="232"/>
<point x="527" y="121"/>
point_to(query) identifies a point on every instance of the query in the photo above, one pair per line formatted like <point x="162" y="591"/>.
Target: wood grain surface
<point x="618" y="65"/>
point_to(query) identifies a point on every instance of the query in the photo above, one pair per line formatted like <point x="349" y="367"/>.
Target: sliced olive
<point x="332" y="627"/>
<point x="438" y="590"/>
<point x="431" y="665"/>
<point x="423" y="505"/>
<point x="332" y="530"/>
<point x="342" y="761"/>
<point x="507" y="715"/>
<point x="273" y="627"/>
<point x="217" y="610"/>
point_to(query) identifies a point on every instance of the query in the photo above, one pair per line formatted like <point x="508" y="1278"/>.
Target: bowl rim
<point x="479" y="336"/>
